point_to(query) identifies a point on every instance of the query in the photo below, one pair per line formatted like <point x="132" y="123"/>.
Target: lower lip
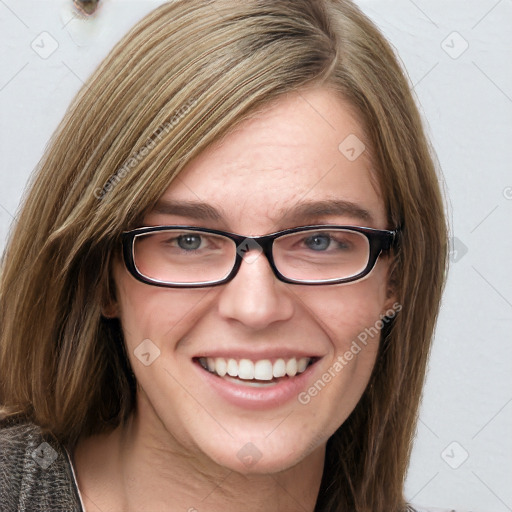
<point x="257" y="397"/>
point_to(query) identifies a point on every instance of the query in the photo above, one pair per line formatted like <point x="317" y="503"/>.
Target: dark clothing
<point x="36" y="474"/>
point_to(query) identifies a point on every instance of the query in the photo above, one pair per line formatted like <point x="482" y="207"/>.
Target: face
<point x="256" y="179"/>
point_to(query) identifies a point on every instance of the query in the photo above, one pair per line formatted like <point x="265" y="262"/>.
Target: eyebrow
<point x="335" y="207"/>
<point x="192" y="209"/>
<point x="303" y="212"/>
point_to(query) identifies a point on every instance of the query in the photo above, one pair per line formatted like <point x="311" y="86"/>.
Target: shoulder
<point x="35" y="472"/>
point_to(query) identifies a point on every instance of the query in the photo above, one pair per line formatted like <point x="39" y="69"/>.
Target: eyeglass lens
<point x="187" y="257"/>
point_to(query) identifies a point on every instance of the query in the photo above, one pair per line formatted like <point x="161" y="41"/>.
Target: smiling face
<point x="281" y="169"/>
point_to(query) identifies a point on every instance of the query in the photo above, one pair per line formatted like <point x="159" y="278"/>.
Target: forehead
<point x="303" y="153"/>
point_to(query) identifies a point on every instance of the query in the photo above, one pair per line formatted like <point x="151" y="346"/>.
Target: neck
<point x="141" y="466"/>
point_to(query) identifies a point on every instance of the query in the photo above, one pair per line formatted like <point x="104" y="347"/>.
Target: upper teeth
<point x="260" y="370"/>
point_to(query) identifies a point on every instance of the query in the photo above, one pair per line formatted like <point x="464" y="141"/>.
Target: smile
<point x="260" y="370"/>
<point x="257" y="383"/>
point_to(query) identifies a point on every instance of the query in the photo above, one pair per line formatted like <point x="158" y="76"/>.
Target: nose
<point x="255" y="297"/>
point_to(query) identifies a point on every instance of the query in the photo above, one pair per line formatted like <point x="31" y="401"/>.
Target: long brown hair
<point x="178" y="81"/>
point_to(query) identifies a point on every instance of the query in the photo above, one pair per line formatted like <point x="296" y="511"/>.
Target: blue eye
<point x="318" y="242"/>
<point x="189" y="242"/>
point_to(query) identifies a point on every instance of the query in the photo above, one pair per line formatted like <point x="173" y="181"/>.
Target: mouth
<point x="256" y="373"/>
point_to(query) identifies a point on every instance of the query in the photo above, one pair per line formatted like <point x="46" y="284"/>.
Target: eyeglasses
<point x="192" y="257"/>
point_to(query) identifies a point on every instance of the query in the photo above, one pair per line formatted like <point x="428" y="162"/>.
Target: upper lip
<point x="275" y="353"/>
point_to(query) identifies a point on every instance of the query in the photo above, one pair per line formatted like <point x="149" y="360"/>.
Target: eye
<point x="318" y="242"/>
<point x="189" y="242"/>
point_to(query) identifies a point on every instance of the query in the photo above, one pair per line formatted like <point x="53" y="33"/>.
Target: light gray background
<point x="458" y="57"/>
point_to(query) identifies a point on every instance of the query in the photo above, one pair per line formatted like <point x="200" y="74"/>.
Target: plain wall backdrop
<point x="458" y="56"/>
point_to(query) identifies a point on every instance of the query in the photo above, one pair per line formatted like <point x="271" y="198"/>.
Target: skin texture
<point x="179" y="451"/>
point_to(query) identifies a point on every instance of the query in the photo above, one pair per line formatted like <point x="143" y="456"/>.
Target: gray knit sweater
<point x="36" y="474"/>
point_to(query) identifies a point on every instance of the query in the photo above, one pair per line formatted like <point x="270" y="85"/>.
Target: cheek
<point x="347" y="312"/>
<point x="350" y="316"/>
<point x="157" y="314"/>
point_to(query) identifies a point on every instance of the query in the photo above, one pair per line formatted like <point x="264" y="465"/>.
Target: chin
<point x="262" y="456"/>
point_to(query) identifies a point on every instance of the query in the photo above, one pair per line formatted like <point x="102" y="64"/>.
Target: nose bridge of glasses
<point x="251" y="247"/>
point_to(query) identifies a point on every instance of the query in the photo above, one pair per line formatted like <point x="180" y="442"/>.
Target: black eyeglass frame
<point x="379" y="241"/>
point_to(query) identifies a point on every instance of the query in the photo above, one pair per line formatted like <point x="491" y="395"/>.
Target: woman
<point x="222" y="287"/>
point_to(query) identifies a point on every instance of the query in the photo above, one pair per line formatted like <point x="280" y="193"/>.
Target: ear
<point x="109" y="304"/>
<point x="110" y="310"/>
<point x="391" y="307"/>
<point x="391" y="304"/>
